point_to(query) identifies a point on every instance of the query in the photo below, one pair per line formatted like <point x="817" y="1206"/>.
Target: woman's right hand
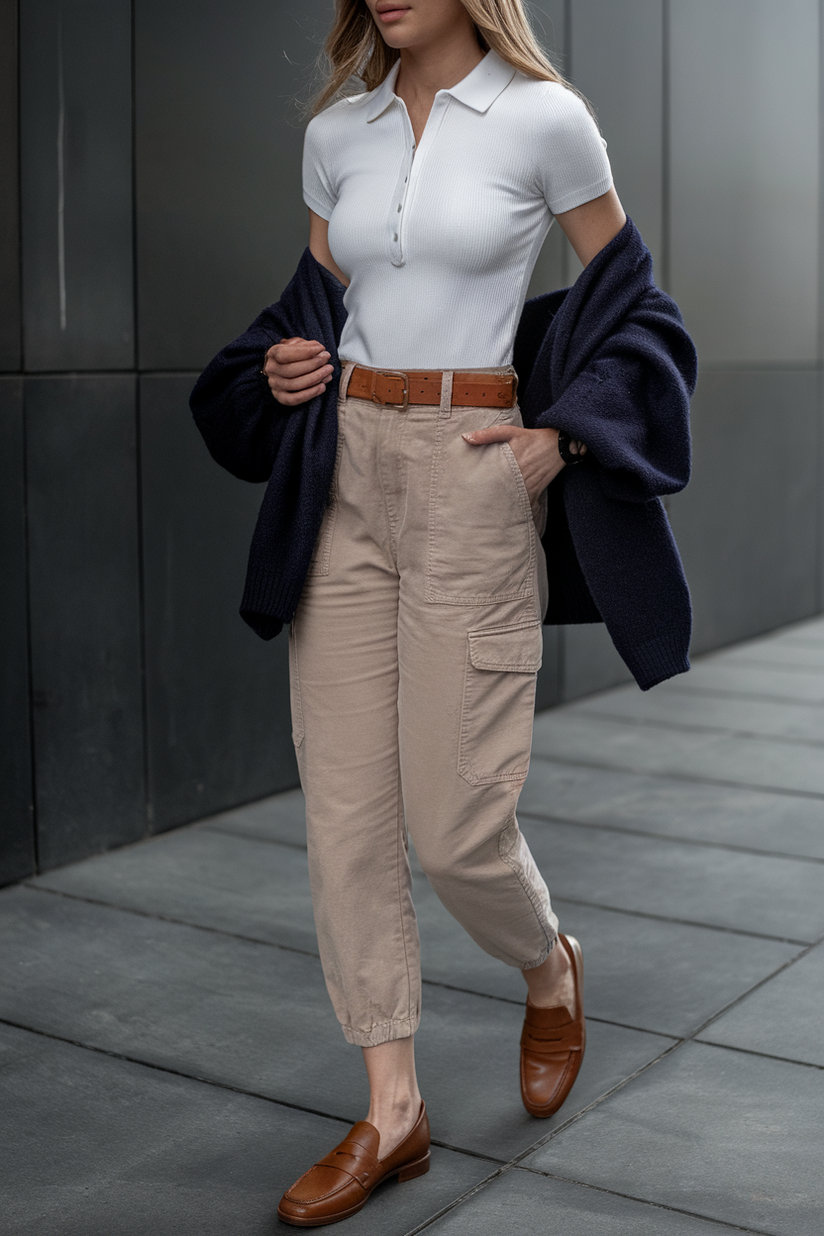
<point x="297" y="370"/>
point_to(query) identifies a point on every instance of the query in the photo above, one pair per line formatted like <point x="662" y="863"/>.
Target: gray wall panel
<point x="16" y="817"/>
<point x="747" y="526"/>
<point x="217" y="696"/>
<point x="9" y="191"/>
<point x="617" y="60"/>
<point x="85" y="614"/>
<point x="76" y="162"/>
<point x="549" y="20"/>
<point x="221" y="218"/>
<point x="549" y="676"/>
<point x="745" y="154"/>
<point x="589" y="662"/>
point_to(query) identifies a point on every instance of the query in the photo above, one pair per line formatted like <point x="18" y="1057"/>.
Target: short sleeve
<point x="573" y="167"/>
<point x="318" y="191"/>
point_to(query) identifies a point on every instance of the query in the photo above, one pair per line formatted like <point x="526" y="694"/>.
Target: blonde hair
<point x="355" y="48"/>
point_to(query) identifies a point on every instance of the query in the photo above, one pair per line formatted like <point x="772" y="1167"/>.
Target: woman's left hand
<point x="535" y="451"/>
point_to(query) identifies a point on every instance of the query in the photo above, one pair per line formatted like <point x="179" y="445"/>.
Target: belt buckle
<point x="391" y="373"/>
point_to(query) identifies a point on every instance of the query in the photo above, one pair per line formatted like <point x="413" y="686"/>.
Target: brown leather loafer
<point x="552" y="1044"/>
<point x="339" y="1185"/>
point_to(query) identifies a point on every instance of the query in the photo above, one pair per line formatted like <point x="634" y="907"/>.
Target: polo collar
<point x="478" y="90"/>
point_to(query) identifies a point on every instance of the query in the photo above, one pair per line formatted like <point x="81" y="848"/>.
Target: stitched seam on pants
<point x="298" y="727"/>
<point x="389" y="511"/>
<point x="533" y="900"/>
<point x="352" y="1034"/>
<point x="398" y="846"/>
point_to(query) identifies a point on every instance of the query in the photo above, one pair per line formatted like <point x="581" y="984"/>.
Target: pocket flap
<point x="517" y="648"/>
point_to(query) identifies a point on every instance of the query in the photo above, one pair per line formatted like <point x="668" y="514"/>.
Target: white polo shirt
<point x="439" y="243"/>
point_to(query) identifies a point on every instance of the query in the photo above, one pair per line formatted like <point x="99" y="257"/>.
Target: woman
<point x="416" y="641"/>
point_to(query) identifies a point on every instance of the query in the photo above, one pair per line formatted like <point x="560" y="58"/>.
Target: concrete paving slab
<point x="719" y="814"/>
<point x="226" y="881"/>
<point x="807" y="657"/>
<point x="96" y="1146"/>
<point x="691" y="710"/>
<point x="521" y="1203"/>
<point x="804" y="633"/>
<point x="781" y="897"/>
<point x="282" y="817"/>
<point x="766" y="763"/>
<point x="639" y="971"/>
<point x="783" y="1018"/>
<point x="468" y="1072"/>
<point x="258" y="1018"/>
<point x="761" y="681"/>
<point x="733" y="1137"/>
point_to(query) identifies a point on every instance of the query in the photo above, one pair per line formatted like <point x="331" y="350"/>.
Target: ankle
<point x="395" y="1110"/>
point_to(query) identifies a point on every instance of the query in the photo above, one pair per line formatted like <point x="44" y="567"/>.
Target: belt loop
<point x="346" y="374"/>
<point x="446" y="392"/>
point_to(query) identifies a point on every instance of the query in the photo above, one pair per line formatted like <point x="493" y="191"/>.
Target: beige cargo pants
<point x="414" y="655"/>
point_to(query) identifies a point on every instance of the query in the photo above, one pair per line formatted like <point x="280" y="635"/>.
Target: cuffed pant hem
<point x="384" y="1032"/>
<point x="531" y="965"/>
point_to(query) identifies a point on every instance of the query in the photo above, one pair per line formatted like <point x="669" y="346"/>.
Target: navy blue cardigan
<point x="608" y="360"/>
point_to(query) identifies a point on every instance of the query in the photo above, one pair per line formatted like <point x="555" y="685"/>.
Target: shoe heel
<point x="414" y="1169"/>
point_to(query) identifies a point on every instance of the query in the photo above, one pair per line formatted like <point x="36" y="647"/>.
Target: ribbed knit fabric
<point x="608" y="360"/>
<point x="439" y="242"/>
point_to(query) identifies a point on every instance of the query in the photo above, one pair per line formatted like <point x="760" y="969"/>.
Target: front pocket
<point x="322" y="552"/>
<point x="481" y="542"/>
<point x="502" y="665"/>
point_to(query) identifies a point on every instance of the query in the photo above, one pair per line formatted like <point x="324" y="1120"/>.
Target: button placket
<point x="396" y="210"/>
<point x="411" y="169"/>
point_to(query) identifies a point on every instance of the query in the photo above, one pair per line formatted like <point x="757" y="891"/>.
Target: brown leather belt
<point x="395" y="388"/>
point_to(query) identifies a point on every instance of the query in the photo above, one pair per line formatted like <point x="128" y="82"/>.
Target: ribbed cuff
<point x="269" y="602"/>
<point x="657" y="659"/>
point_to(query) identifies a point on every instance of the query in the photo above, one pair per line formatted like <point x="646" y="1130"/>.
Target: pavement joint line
<point x="675" y="687"/>
<point x="755" y="987"/>
<point x="763" y="1055"/>
<point x="640" y="832"/>
<point x="778" y="666"/>
<point x="682" y="727"/>
<point x="513" y="1163"/>
<point x="631" y="1197"/>
<point x="685" y="922"/>
<point x="165" y="1068"/>
<point x="458" y="1201"/>
<point x="670" y="775"/>
<point x="729" y="693"/>
<point x="233" y="832"/>
<point x="166" y="918"/>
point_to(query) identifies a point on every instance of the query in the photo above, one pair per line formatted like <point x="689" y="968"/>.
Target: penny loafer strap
<point x="550" y="1042"/>
<point x="355" y="1161"/>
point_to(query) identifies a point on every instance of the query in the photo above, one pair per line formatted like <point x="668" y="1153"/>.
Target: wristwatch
<point x="568" y="456"/>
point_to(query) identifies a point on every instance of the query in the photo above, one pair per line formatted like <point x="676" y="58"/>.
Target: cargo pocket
<point x="502" y="664"/>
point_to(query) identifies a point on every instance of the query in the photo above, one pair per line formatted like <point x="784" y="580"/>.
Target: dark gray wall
<point x="712" y="113"/>
<point x="158" y="148"/>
